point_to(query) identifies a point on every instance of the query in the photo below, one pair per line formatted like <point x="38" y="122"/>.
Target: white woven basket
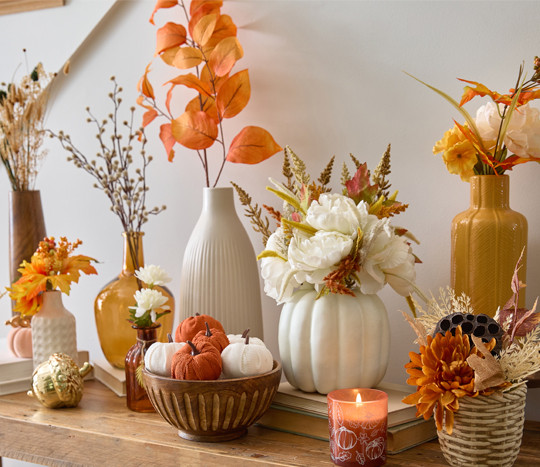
<point x="487" y="430"/>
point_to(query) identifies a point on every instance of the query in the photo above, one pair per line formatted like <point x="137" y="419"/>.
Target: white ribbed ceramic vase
<point x="333" y="342"/>
<point x="53" y="329"/>
<point x="220" y="277"/>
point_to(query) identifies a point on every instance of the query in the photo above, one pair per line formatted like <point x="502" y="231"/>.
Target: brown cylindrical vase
<point x="26" y="228"/>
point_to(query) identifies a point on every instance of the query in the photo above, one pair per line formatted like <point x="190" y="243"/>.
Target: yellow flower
<point x="459" y="154"/>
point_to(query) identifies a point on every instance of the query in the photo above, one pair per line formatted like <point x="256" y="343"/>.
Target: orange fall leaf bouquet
<point x="53" y="266"/>
<point x="467" y="355"/>
<point x="210" y="48"/>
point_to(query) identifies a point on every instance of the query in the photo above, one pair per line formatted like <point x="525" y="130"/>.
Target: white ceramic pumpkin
<point x="246" y="359"/>
<point x="335" y="342"/>
<point x="158" y="357"/>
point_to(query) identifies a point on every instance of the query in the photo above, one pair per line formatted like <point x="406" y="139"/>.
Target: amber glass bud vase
<point x="136" y="397"/>
<point x="112" y="303"/>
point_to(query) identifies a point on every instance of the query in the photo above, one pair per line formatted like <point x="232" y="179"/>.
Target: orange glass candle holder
<point x="357" y="420"/>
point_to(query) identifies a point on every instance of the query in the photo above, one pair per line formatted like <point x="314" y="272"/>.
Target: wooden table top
<point x="102" y="431"/>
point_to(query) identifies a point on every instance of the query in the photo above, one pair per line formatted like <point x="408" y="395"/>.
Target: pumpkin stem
<point x="245" y="333"/>
<point x="197" y="314"/>
<point x="247" y="340"/>
<point x="194" y="350"/>
<point x="207" y="333"/>
<point x="169" y="337"/>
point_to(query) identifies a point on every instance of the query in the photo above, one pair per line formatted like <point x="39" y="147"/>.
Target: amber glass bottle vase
<point x="111" y="305"/>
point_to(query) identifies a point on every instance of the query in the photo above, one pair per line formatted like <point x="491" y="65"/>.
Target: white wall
<point x="326" y="79"/>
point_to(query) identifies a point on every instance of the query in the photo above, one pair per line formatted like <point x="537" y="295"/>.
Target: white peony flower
<point x="152" y="275"/>
<point x="279" y="281"/>
<point x="334" y="212"/>
<point x="149" y="300"/>
<point x="384" y="254"/>
<point x="523" y="133"/>
<point x="315" y="257"/>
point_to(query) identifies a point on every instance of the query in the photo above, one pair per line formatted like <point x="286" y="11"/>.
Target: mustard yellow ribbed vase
<point x="487" y="240"/>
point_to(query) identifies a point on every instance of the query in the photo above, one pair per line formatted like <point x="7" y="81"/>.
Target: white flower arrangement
<point x="149" y="300"/>
<point x="334" y="243"/>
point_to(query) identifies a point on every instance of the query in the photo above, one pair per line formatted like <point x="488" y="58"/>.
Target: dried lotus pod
<point x="480" y="325"/>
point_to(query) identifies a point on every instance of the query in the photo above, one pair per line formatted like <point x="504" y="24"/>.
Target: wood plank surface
<point x="16" y="6"/>
<point x="102" y="431"/>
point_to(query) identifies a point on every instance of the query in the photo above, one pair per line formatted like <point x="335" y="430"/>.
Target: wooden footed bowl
<point x="212" y="411"/>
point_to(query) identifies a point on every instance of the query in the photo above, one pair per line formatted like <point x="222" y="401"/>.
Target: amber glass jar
<point x="136" y="397"/>
<point x="111" y="305"/>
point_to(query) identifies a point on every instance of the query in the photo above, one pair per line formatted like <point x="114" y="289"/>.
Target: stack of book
<point x="113" y="378"/>
<point x="306" y="414"/>
<point x="16" y="373"/>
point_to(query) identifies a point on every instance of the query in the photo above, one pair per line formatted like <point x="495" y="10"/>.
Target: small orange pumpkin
<point x="192" y="363"/>
<point x="189" y="327"/>
<point x="19" y="339"/>
<point x="214" y="336"/>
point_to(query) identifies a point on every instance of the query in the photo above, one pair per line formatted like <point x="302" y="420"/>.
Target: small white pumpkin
<point x="242" y="359"/>
<point x="234" y="338"/>
<point x="158" y="357"/>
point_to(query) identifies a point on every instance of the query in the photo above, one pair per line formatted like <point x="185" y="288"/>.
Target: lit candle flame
<point x="358" y="399"/>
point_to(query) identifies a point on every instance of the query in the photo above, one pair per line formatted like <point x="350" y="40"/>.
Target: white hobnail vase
<point x="53" y="329"/>
<point x="220" y="277"/>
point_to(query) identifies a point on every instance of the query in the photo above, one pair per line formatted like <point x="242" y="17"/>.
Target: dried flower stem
<point x="22" y="114"/>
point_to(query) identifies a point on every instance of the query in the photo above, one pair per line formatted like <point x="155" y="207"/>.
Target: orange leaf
<point x="187" y="57"/>
<point x="207" y="5"/>
<point x="234" y="94"/>
<point x="252" y="145"/>
<point x="167" y="138"/>
<point x="201" y="9"/>
<point x="169" y="36"/>
<point x="204" y="29"/>
<point x="224" y="28"/>
<point x="149" y="116"/>
<point x="479" y="90"/>
<point x="191" y="81"/>
<point x="162" y="4"/>
<point x="144" y="86"/>
<point x="195" y="130"/>
<point x="214" y="82"/>
<point x="206" y="104"/>
<point x="225" y="55"/>
<point x="168" y="55"/>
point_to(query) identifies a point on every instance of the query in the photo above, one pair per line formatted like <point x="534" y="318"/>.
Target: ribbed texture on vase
<point x="487" y="241"/>
<point x="334" y="342"/>
<point x="220" y="276"/>
<point x="53" y="331"/>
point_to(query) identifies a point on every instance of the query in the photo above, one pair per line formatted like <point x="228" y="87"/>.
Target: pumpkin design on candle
<point x="357" y="424"/>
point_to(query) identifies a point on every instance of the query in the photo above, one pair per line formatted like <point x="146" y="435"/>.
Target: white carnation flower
<point x="152" y="275"/>
<point x="334" y="212"/>
<point x="315" y="257"/>
<point x="149" y="300"/>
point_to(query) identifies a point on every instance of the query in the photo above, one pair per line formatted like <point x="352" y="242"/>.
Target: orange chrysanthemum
<point x="442" y="376"/>
<point x="52" y="266"/>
